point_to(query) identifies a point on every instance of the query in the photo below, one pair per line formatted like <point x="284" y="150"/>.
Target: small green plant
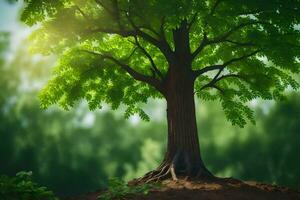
<point x="21" y="187"/>
<point x="118" y="189"/>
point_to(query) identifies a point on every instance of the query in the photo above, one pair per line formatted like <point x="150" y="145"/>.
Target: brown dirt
<point x="221" y="189"/>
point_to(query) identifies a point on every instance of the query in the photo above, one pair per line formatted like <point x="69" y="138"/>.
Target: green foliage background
<point x="77" y="151"/>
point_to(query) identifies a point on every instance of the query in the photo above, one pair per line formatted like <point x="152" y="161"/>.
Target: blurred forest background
<point x="77" y="151"/>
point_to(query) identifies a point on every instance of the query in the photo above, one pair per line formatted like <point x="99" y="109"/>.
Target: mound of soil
<point x="221" y="189"/>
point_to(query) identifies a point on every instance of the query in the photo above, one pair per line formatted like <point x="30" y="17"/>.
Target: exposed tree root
<point x="172" y="169"/>
<point x="162" y="173"/>
<point x="168" y="171"/>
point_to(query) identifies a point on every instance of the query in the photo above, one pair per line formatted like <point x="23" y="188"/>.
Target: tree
<point x="124" y="52"/>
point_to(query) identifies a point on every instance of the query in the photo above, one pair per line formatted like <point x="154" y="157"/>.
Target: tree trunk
<point x="182" y="157"/>
<point x="183" y="150"/>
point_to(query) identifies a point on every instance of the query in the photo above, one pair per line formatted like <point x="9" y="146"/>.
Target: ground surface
<point x="222" y="189"/>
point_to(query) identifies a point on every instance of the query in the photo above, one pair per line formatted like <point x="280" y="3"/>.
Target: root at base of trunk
<point x="168" y="171"/>
<point x="162" y="173"/>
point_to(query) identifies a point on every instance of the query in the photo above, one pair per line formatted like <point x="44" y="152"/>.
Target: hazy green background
<point x="77" y="151"/>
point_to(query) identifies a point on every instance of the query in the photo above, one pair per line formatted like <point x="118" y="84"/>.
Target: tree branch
<point x="233" y="30"/>
<point x="223" y="38"/>
<point x="222" y="66"/>
<point x="203" y="43"/>
<point x="114" y="12"/>
<point x="104" y="7"/>
<point x="149" y="58"/>
<point x="213" y="82"/>
<point x="164" y="47"/>
<point x="136" y="30"/>
<point x="190" y="24"/>
<point x="207" y="69"/>
<point x="161" y="43"/>
<point x="213" y="9"/>
<point x="124" y="33"/>
<point x="161" y="28"/>
<point x="240" y="43"/>
<point x="216" y="87"/>
<point x="133" y="73"/>
<point x="241" y="58"/>
<point x="131" y="54"/>
<point x="81" y="12"/>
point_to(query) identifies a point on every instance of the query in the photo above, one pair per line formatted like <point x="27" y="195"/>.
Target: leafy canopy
<point x="118" y="51"/>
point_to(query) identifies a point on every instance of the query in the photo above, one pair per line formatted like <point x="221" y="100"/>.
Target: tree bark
<point x="182" y="158"/>
<point x="183" y="150"/>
